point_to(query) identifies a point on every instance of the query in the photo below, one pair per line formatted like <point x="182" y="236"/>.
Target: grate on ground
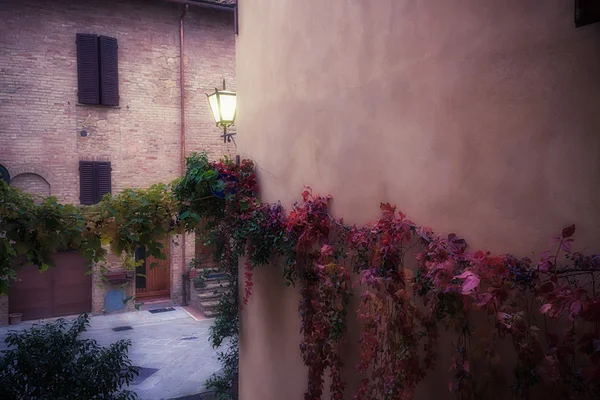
<point x="122" y="328"/>
<point x="189" y="338"/>
<point x="161" y="310"/>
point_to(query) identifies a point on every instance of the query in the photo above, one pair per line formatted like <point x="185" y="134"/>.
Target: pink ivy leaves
<point x="471" y="282"/>
<point x="445" y="263"/>
<point x="545" y="308"/>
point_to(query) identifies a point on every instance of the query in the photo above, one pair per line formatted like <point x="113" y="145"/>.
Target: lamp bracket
<point x="227" y="137"/>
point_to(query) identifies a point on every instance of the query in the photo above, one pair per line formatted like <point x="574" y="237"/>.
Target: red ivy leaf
<point x="545" y="308"/>
<point x="326" y="250"/>
<point x="483" y="299"/>
<point x="575" y="309"/>
<point x="565" y="245"/>
<point x="568" y="231"/>
<point x="387" y="208"/>
<point x="479" y="255"/>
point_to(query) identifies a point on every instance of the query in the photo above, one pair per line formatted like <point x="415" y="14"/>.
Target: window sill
<point x="97" y="105"/>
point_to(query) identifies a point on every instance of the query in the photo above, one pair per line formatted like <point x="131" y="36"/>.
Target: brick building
<point x="46" y="131"/>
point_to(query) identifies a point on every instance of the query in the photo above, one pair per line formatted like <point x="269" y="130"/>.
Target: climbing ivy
<point x="134" y="218"/>
<point x="412" y="284"/>
<point x="32" y="230"/>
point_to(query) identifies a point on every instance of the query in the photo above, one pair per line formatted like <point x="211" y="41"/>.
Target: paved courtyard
<point x="172" y="347"/>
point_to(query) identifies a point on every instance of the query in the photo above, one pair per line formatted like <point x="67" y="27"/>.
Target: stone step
<point x="209" y="313"/>
<point x="209" y="304"/>
<point x="209" y="307"/>
<point x="216" y="291"/>
<point x="214" y="284"/>
<point x="205" y="296"/>
<point x="210" y="293"/>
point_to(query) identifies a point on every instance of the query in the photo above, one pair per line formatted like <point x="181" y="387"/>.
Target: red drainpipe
<point x="182" y="92"/>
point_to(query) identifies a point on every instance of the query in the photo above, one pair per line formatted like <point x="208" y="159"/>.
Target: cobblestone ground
<point x="171" y="347"/>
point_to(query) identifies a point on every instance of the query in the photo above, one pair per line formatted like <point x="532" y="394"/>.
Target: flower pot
<point x="118" y="277"/>
<point x="15" y="318"/>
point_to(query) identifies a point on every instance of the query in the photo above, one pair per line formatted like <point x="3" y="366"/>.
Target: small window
<point x="97" y="70"/>
<point x="586" y="12"/>
<point x="94" y="181"/>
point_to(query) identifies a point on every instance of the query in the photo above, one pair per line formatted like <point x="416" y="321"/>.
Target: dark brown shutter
<point x="103" y="179"/>
<point x="87" y="192"/>
<point x="87" y="69"/>
<point x="109" y="72"/>
<point x="94" y="181"/>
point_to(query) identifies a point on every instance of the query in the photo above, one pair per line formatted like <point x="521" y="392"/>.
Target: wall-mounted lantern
<point x="223" y="107"/>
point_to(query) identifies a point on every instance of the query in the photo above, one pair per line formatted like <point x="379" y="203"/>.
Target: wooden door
<point x="63" y="290"/>
<point x="156" y="279"/>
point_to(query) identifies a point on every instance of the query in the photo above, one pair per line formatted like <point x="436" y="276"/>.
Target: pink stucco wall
<point x="475" y="117"/>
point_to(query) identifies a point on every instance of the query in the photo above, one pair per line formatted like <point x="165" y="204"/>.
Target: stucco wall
<point x="474" y="117"/>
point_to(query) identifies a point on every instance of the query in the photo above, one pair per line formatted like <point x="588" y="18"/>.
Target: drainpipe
<point x="182" y="93"/>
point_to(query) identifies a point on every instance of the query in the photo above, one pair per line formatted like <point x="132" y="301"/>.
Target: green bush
<point x="51" y="362"/>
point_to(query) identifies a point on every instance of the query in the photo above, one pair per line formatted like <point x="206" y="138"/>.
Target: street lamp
<point x="223" y="108"/>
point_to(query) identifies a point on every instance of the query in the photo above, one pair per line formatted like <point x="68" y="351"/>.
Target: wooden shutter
<point x="94" y="181"/>
<point x="87" y="69"/>
<point x="103" y="179"/>
<point x="109" y="72"/>
<point x="87" y="192"/>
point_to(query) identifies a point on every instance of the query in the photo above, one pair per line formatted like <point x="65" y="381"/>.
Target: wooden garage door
<point x="60" y="291"/>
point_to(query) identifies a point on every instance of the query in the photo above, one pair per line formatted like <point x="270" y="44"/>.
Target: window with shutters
<point x="94" y="181"/>
<point x="97" y="70"/>
<point x="586" y="12"/>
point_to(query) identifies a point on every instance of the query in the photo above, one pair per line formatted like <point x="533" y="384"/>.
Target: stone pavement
<point x="172" y="347"/>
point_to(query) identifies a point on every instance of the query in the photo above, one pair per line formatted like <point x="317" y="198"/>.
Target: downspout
<point x="182" y="93"/>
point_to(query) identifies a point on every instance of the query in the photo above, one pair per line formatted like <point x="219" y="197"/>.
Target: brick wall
<point x="31" y="183"/>
<point x="178" y="268"/>
<point x="3" y="310"/>
<point x="101" y="287"/>
<point x="40" y="120"/>
<point x="193" y="299"/>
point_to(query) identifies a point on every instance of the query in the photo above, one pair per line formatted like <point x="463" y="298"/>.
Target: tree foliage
<point x="51" y="361"/>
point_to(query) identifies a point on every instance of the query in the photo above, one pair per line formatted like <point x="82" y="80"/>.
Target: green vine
<point x="412" y="282"/>
<point x="32" y="230"/>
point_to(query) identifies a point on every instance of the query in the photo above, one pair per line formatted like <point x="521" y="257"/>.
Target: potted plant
<point x="15" y="318"/>
<point x="118" y="277"/>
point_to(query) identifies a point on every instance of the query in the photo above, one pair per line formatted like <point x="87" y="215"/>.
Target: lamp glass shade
<point x="223" y="107"/>
<point x="214" y="106"/>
